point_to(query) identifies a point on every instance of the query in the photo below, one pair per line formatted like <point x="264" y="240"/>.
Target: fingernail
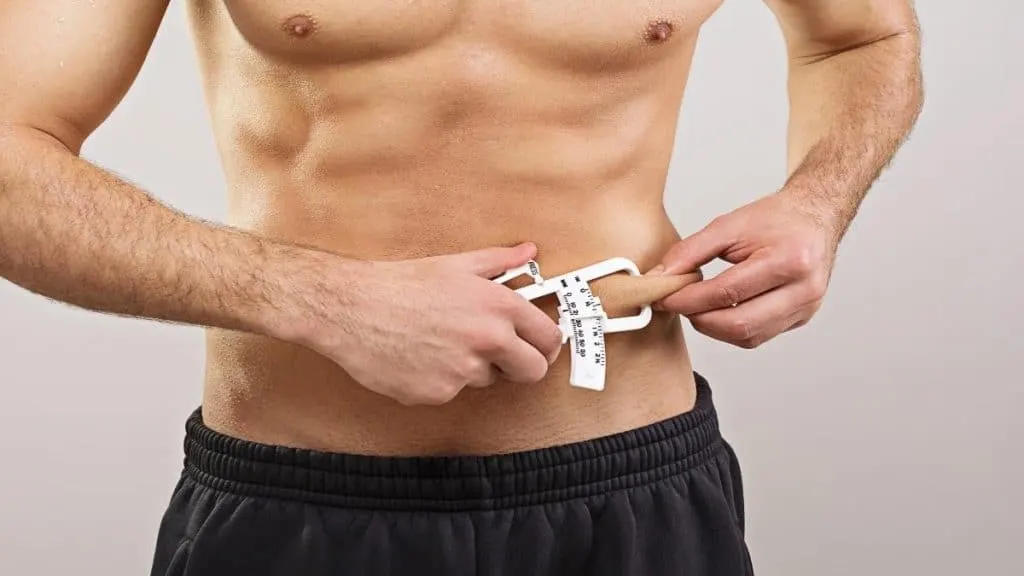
<point x="657" y="270"/>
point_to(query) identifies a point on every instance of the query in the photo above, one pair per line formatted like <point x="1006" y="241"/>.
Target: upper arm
<point x="817" y="28"/>
<point x="66" y="64"/>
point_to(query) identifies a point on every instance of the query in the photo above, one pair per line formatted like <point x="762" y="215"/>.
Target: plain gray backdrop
<point x="883" y="438"/>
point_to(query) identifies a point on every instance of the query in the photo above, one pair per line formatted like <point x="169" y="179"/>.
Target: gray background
<point x="880" y="439"/>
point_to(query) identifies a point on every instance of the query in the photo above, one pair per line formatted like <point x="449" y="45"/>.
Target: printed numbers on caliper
<point x="584" y="321"/>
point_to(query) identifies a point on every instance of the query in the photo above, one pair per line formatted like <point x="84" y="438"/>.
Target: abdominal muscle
<point x="407" y="159"/>
<point x="276" y="393"/>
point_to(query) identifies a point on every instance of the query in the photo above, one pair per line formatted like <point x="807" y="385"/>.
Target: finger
<point x="756" y="321"/>
<point x="537" y="329"/>
<point x="491" y="262"/>
<point x="520" y="362"/>
<point x="696" y="250"/>
<point x="735" y="285"/>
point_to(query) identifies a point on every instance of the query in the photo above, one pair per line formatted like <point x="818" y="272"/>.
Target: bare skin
<point x="384" y="160"/>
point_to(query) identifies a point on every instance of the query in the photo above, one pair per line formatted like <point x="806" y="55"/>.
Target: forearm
<point x="75" y="233"/>
<point x="850" y="110"/>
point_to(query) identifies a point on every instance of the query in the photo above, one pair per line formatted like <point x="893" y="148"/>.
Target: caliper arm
<point x="580" y="314"/>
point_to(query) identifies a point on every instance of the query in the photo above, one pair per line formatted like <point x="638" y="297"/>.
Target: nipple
<point x="658" y="31"/>
<point x="299" y="26"/>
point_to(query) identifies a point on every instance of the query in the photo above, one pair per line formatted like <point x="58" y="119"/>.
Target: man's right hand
<point x="419" y="331"/>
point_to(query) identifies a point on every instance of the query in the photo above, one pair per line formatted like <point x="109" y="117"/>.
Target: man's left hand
<point x="782" y="251"/>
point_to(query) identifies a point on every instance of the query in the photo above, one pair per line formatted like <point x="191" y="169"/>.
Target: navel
<point x="299" y="26"/>
<point x="658" y="31"/>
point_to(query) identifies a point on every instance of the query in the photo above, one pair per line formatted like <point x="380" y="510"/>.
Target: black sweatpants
<point x="659" y="500"/>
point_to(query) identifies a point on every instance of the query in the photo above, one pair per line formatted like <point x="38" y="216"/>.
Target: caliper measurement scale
<point x="581" y="316"/>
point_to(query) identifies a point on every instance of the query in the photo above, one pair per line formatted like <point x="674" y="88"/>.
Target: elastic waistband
<point x="452" y="483"/>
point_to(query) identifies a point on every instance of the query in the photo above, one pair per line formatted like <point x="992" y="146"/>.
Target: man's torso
<point x="400" y="129"/>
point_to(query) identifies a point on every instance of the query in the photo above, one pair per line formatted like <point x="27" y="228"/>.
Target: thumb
<point x="696" y="250"/>
<point x="493" y="261"/>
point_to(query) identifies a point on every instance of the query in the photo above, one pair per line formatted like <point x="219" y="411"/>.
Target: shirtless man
<point x="374" y="403"/>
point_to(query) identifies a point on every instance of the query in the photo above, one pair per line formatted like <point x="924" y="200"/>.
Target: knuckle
<point x="487" y="335"/>
<point x="728" y="296"/>
<point x="501" y="305"/>
<point x="810" y="293"/>
<point x="508" y="303"/>
<point x="740" y="329"/>
<point x="445" y="391"/>
<point x="817" y="288"/>
<point x="489" y="343"/>
<point x="471" y="369"/>
<point x="799" y="263"/>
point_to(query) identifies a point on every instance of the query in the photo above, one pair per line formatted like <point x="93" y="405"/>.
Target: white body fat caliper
<point x="580" y="315"/>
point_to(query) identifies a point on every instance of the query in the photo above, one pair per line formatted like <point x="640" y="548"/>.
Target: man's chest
<point x="582" y="31"/>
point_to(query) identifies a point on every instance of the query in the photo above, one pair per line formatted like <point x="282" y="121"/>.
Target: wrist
<point x="817" y="201"/>
<point x="313" y="292"/>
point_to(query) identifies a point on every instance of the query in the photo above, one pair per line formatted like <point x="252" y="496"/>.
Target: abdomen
<point x="462" y="143"/>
